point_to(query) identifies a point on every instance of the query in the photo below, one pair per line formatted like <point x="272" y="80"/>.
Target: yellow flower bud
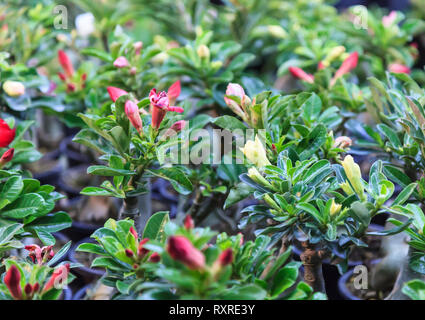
<point x="277" y="31"/>
<point x="14" y="88"/>
<point x="257" y="177"/>
<point x="203" y="52"/>
<point x="256" y="153"/>
<point x="335" y="208"/>
<point x="347" y="188"/>
<point x="334" y="53"/>
<point x="352" y="170"/>
<point x="268" y="199"/>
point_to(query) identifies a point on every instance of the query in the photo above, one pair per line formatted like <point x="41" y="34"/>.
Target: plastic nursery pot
<point x="84" y="272"/>
<point x="161" y="204"/>
<point x="73" y="180"/>
<point x="73" y="152"/>
<point x="166" y="191"/>
<point x="48" y="169"/>
<point x="345" y="289"/>
<point x="66" y="294"/>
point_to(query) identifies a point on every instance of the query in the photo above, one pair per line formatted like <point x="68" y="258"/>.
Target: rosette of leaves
<point x="209" y="66"/>
<point x="397" y="108"/>
<point x="25" y="201"/>
<point x="259" y="262"/>
<point x="123" y="272"/>
<point x="304" y="200"/>
<point x="130" y="157"/>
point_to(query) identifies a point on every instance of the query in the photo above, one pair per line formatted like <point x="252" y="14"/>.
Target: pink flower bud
<point x="398" y="68"/>
<point x="35" y="253"/>
<point x="301" y="74"/>
<point x="174" y="129"/>
<point x="347" y="66"/>
<point x="65" y="63"/>
<point x="12" y="280"/>
<point x="59" y="276"/>
<point x="134" y="233"/>
<point x="188" y="222"/>
<point x="234" y="89"/>
<point x="121" y="62"/>
<point x="28" y="289"/>
<point x="226" y="257"/>
<point x="138" y="47"/>
<point x="181" y="249"/>
<point x="388" y="20"/>
<point x="320" y="66"/>
<point x="129" y="253"/>
<point x="133" y="114"/>
<point x="7" y="157"/>
<point x="343" y="142"/>
<point x="115" y="93"/>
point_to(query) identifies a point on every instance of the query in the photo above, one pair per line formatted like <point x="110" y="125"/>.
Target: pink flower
<point x="388" y="20"/>
<point x="121" y="62"/>
<point x="181" y="249"/>
<point x="65" y="63"/>
<point x="133" y="114"/>
<point x="301" y="74"/>
<point x="398" y="68"/>
<point x="12" y="280"/>
<point x="160" y="105"/>
<point x="115" y="93"/>
<point x="39" y="255"/>
<point x="347" y="66"/>
<point x="7" y="157"/>
<point x="174" y="92"/>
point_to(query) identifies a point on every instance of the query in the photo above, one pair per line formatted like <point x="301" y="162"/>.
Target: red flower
<point x="226" y="257"/>
<point x="115" y="93"/>
<point x="188" y="222"/>
<point x="160" y="105"/>
<point x="6" y="157"/>
<point x="12" y="280"/>
<point x="349" y="64"/>
<point x="133" y="114"/>
<point x="181" y="249"/>
<point x="39" y="255"/>
<point x="398" y="68"/>
<point x="66" y="63"/>
<point x="301" y="74"/>
<point x="58" y="277"/>
<point x="6" y="134"/>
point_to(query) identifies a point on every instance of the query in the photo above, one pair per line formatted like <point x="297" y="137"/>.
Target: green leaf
<point x="108" y="172"/>
<point x="405" y="194"/>
<point x="155" y="226"/>
<point x="28" y="204"/>
<point x="284" y="279"/>
<point x="229" y="123"/>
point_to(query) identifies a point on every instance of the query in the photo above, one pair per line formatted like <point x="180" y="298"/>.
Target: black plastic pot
<point x="86" y="274"/>
<point x="66" y="294"/>
<point x="64" y="184"/>
<point x="70" y="150"/>
<point x="81" y="293"/>
<point x="342" y="284"/>
<point x="81" y="230"/>
<point x="50" y="176"/>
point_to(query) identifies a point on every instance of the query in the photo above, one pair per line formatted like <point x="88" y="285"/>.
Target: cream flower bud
<point x="256" y="153"/>
<point x="13" y="88"/>
<point x="203" y="52"/>
<point x="352" y="170"/>
<point x="335" y="208"/>
<point x="277" y="31"/>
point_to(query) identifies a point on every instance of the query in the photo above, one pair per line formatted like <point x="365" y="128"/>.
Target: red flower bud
<point x="133" y="114"/>
<point x="12" y="281"/>
<point x="320" y="66"/>
<point x="188" y="222"/>
<point x="58" y="277"/>
<point x="35" y="253"/>
<point x="226" y="257"/>
<point x="129" y="253"/>
<point x="160" y="105"/>
<point x="28" y="289"/>
<point x="134" y="233"/>
<point x="141" y="252"/>
<point x="155" y="257"/>
<point x="70" y="87"/>
<point x="301" y="74"/>
<point x="241" y="241"/>
<point x="36" y="287"/>
<point x="181" y="249"/>
<point x="65" y="63"/>
<point x="84" y="77"/>
<point x="115" y="93"/>
<point x="7" y="157"/>
<point x="6" y="134"/>
<point x="62" y="76"/>
<point x="121" y="62"/>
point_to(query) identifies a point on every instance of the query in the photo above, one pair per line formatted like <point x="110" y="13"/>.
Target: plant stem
<point x="130" y="209"/>
<point x="312" y="262"/>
